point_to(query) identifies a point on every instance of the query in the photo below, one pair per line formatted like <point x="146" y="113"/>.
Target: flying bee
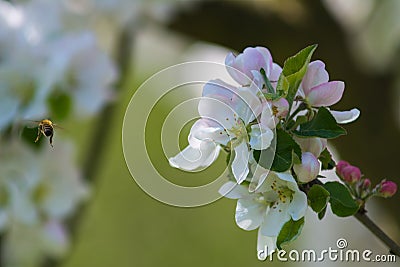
<point x="46" y="128"/>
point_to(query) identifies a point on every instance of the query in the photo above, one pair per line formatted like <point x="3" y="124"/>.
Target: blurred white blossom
<point x="41" y="56"/>
<point x="39" y="189"/>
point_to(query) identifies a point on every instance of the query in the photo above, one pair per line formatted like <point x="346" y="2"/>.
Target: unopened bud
<point x="366" y="183"/>
<point x="351" y="174"/>
<point x="387" y="188"/>
<point x="340" y="166"/>
<point x="308" y="169"/>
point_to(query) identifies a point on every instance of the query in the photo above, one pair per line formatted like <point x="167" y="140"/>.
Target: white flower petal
<point x="240" y="167"/>
<point x="218" y="110"/>
<point x="266" y="245"/>
<point x="298" y="205"/>
<point x="260" y="138"/>
<point x="275" y="219"/>
<point x="343" y="117"/>
<point x="192" y="158"/>
<point x="246" y="104"/>
<point x="204" y="129"/>
<point x="249" y="214"/>
<point x="234" y="191"/>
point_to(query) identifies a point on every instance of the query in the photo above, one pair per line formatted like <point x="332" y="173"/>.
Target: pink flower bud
<point x="308" y="169"/>
<point x="387" y="188"/>
<point x="366" y="183"/>
<point x="351" y="174"/>
<point x="340" y="166"/>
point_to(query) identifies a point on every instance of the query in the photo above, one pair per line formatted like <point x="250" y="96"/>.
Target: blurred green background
<point x="123" y="226"/>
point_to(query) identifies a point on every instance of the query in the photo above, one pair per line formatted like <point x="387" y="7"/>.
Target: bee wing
<point x="31" y="123"/>
<point x="58" y="127"/>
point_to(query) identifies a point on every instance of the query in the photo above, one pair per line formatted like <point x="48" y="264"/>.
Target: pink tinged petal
<point x="260" y="138"/>
<point x="282" y="107"/>
<point x="308" y="169"/>
<point x="249" y="214"/>
<point x="276" y="217"/>
<point x="235" y="68"/>
<point x="191" y="158"/>
<point x="218" y="88"/>
<point x="275" y="73"/>
<point x="240" y="164"/>
<point x="241" y="66"/>
<point x="266" y="245"/>
<point x="315" y="75"/>
<point x="298" y="205"/>
<point x="267" y="64"/>
<point x="345" y="116"/>
<point x="325" y="94"/>
<point x="234" y="191"/>
<point x="257" y="83"/>
<point x="267" y="118"/>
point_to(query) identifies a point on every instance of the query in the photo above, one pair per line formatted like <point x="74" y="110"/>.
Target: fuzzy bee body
<point x="46" y="127"/>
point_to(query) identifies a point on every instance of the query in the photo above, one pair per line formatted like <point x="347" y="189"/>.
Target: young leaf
<point x="294" y="69"/>
<point x="326" y="159"/>
<point x="322" y="125"/>
<point x="342" y="203"/>
<point x="289" y="232"/>
<point x="318" y="198"/>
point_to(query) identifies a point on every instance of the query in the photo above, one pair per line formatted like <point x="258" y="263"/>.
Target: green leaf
<point x="289" y="232"/>
<point x="326" y="159"/>
<point x="282" y="87"/>
<point x="321" y="214"/>
<point x="322" y="125"/>
<point x="286" y="148"/>
<point x="60" y="105"/>
<point x="318" y="198"/>
<point x="342" y="202"/>
<point x="294" y="70"/>
<point x="284" y="154"/>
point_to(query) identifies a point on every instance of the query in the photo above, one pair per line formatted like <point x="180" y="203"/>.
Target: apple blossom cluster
<point x="275" y="124"/>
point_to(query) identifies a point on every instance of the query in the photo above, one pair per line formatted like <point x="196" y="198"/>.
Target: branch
<point x="362" y="217"/>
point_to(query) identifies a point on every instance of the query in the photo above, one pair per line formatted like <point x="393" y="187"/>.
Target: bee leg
<point x="38" y="135"/>
<point x="51" y="140"/>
